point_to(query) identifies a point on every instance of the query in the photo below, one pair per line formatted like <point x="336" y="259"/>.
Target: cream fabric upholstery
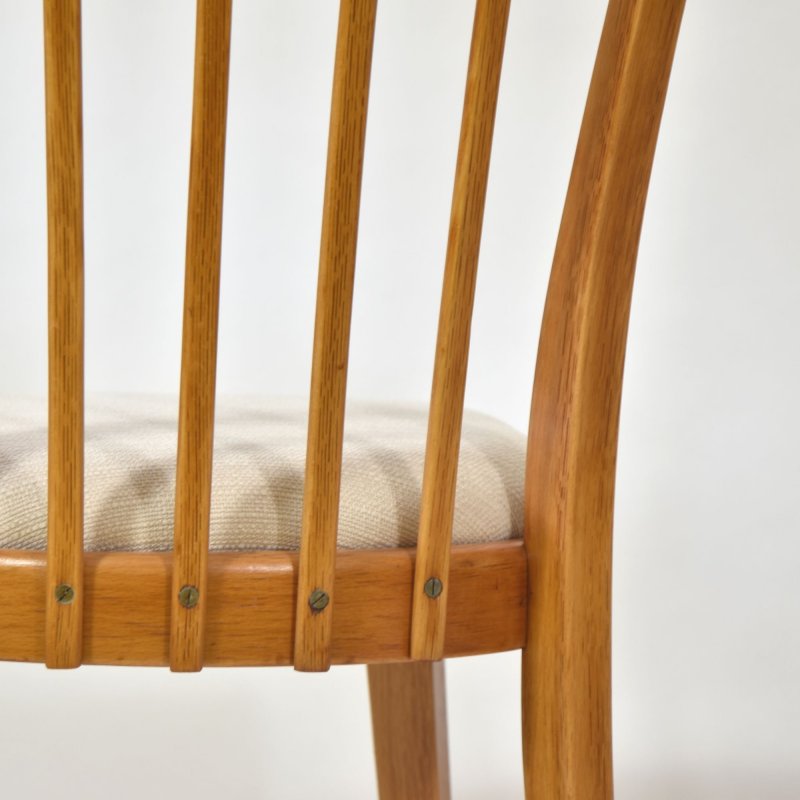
<point x="258" y="475"/>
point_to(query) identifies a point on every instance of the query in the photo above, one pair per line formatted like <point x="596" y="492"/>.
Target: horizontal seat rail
<point x="251" y="606"/>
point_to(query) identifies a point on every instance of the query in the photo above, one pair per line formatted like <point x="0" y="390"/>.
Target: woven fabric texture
<point x="257" y="488"/>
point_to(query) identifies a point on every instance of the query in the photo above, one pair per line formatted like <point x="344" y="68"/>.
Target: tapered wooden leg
<point x="409" y="727"/>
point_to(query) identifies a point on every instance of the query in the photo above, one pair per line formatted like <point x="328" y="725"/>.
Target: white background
<point x="707" y="552"/>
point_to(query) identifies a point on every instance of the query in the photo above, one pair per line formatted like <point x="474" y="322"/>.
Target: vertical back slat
<point x="64" y="615"/>
<point x="452" y="347"/>
<point x="200" y="314"/>
<point x="332" y="332"/>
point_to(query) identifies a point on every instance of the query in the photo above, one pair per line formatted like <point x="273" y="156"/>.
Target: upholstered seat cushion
<point x="257" y="486"/>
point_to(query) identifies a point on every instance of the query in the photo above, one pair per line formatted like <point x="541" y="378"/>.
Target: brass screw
<point x="433" y="588"/>
<point x="189" y="596"/>
<point x="65" y="594"/>
<point x="318" y="599"/>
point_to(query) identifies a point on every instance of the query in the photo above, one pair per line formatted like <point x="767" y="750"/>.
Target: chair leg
<point x="409" y="728"/>
<point x="566" y="726"/>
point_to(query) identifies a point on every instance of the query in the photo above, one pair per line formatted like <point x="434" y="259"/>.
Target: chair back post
<point x="572" y="442"/>
<point x="64" y="586"/>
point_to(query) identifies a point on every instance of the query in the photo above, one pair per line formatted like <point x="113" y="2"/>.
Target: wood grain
<point x="575" y="410"/>
<point x="332" y="329"/>
<point x="550" y="594"/>
<point x="455" y="316"/>
<point x="200" y="315"/>
<point x="409" y="730"/>
<point x="251" y="606"/>
<point x="62" y="49"/>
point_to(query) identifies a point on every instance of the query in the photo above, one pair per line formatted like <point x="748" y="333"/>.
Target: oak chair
<point x="399" y="610"/>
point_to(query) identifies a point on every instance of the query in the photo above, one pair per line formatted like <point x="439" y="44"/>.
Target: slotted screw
<point x="433" y="588"/>
<point x="189" y="596"/>
<point x="65" y="594"/>
<point x="318" y="599"/>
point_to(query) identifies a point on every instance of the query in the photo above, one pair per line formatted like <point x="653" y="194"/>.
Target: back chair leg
<point x="572" y="438"/>
<point x="409" y="726"/>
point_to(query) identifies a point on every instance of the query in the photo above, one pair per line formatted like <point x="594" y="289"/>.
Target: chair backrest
<point x="579" y="369"/>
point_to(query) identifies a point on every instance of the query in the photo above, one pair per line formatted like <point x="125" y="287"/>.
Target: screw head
<point x="189" y="596"/>
<point x="318" y="599"/>
<point x="433" y="588"/>
<point x="65" y="594"/>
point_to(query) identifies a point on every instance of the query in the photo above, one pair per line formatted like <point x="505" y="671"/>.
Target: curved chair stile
<point x="574" y="425"/>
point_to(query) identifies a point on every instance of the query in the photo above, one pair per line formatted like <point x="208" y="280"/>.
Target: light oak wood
<point x="549" y="594"/>
<point x="62" y="48"/>
<point x="575" y="410"/>
<point x="332" y="329"/>
<point x="452" y="345"/>
<point x="409" y="730"/>
<point x="200" y="316"/>
<point x="251" y="604"/>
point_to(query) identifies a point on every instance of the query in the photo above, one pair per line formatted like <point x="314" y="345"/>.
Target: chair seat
<point x="257" y="494"/>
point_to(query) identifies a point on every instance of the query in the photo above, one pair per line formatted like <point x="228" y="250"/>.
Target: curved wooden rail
<point x="251" y="606"/>
<point x="575" y="410"/>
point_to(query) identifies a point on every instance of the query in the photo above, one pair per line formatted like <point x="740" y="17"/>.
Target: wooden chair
<point x="401" y="611"/>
